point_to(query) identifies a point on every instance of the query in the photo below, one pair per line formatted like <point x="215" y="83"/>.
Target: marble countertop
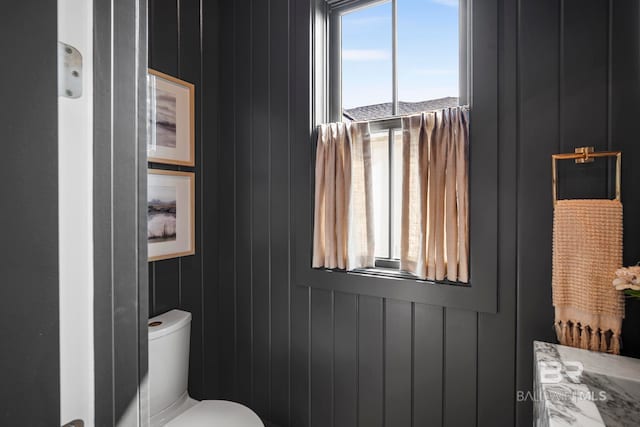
<point x="575" y="387"/>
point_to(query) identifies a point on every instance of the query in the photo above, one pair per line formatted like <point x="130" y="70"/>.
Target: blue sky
<point x="427" y="52"/>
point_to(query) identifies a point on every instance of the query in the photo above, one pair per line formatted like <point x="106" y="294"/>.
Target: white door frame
<point x="102" y="154"/>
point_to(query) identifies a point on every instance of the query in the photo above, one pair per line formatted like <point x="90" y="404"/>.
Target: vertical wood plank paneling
<point x="269" y="95"/>
<point x="176" y="47"/>
<point x="584" y="50"/>
<point x="191" y="280"/>
<point x="163" y="36"/>
<point x="279" y="210"/>
<point x="460" y="367"/>
<point x="568" y="70"/>
<point x="398" y="363"/>
<point x="166" y="285"/>
<point x="370" y="362"/>
<point x="29" y="296"/>
<point x="152" y="289"/>
<point x="103" y="220"/>
<point x="300" y="341"/>
<point x="428" y="372"/>
<point x="299" y="41"/>
<point x="125" y="205"/>
<point x="625" y="128"/>
<point x="209" y="173"/>
<point x="163" y="56"/>
<point x="121" y="279"/>
<point x="227" y="225"/>
<point x="538" y="135"/>
<point x="322" y="350"/>
<point x="345" y="390"/>
<point x="496" y="333"/>
<point x="244" y="205"/>
<point x="260" y="172"/>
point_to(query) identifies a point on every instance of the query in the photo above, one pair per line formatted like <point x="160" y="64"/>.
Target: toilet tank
<point x="168" y="358"/>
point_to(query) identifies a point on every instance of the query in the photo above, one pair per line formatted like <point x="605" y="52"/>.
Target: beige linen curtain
<point x="434" y="242"/>
<point x="343" y="234"/>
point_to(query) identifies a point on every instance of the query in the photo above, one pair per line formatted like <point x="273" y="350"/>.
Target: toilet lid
<point x="217" y="413"/>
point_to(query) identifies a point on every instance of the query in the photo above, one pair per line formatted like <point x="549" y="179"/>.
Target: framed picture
<point x="170" y="214"/>
<point x="171" y="114"/>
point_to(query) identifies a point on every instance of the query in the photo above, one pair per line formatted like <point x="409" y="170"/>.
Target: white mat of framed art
<point x="170" y="214"/>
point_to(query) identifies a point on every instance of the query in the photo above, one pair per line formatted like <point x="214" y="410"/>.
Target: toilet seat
<point x="216" y="413"/>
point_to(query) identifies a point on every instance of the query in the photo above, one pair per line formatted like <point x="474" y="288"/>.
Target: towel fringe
<point x="615" y="344"/>
<point x="603" y="341"/>
<point x="594" y="345"/>
<point x="575" y="334"/>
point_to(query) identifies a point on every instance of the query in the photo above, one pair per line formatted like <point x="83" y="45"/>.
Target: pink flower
<point x="627" y="278"/>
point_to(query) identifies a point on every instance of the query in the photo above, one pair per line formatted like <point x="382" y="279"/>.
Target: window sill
<point x="393" y="284"/>
<point x="400" y="274"/>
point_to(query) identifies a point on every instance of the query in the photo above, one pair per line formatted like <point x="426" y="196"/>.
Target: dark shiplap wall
<point x="579" y="84"/>
<point x="183" y="42"/>
<point x="302" y="356"/>
<point x="568" y="72"/>
<point x="29" y="298"/>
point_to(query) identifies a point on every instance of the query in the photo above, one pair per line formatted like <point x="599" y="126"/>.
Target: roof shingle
<point x="377" y="111"/>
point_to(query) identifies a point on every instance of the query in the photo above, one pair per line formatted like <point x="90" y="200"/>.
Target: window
<point x="478" y="88"/>
<point x="389" y="59"/>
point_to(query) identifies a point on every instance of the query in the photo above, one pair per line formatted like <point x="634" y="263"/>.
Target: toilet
<point x="170" y="404"/>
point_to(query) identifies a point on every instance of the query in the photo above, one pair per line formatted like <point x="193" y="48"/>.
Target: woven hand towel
<point x="587" y="251"/>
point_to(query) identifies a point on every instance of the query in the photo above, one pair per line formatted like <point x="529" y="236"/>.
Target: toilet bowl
<point x="170" y="404"/>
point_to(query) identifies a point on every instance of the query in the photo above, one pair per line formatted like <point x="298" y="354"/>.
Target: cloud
<point x="365" y="55"/>
<point x="450" y="3"/>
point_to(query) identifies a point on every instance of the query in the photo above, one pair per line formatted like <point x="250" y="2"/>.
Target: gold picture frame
<point x="171" y="119"/>
<point x="170" y="214"/>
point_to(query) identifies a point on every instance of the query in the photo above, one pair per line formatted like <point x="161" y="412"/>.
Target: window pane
<point x="428" y="54"/>
<point x="367" y="62"/>
<point x="380" y="171"/>
<point x="396" y="207"/>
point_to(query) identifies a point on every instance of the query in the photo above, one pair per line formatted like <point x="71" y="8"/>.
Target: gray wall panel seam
<point x="333" y="358"/>
<point x="179" y="41"/>
<point x="477" y="355"/>
<point x="413" y="355"/>
<point x="251" y="212"/>
<point x="235" y="387"/>
<point x="358" y="359"/>
<point x="561" y="69"/>
<point x="289" y="216"/>
<point x="444" y="365"/>
<point x="384" y="361"/>
<point x="609" y="89"/>
<point x="516" y="335"/>
<point x="269" y="201"/>
<point x="309" y="335"/>
<point x="202" y="198"/>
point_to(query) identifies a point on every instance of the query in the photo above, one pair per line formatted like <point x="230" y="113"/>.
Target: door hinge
<point x="69" y="71"/>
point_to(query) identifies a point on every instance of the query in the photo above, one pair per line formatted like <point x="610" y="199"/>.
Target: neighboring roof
<point x="376" y="111"/>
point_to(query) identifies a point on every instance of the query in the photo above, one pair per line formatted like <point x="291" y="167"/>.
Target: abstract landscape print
<point x="170" y="214"/>
<point x="161" y="213"/>
<point x="163" y="118"/>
